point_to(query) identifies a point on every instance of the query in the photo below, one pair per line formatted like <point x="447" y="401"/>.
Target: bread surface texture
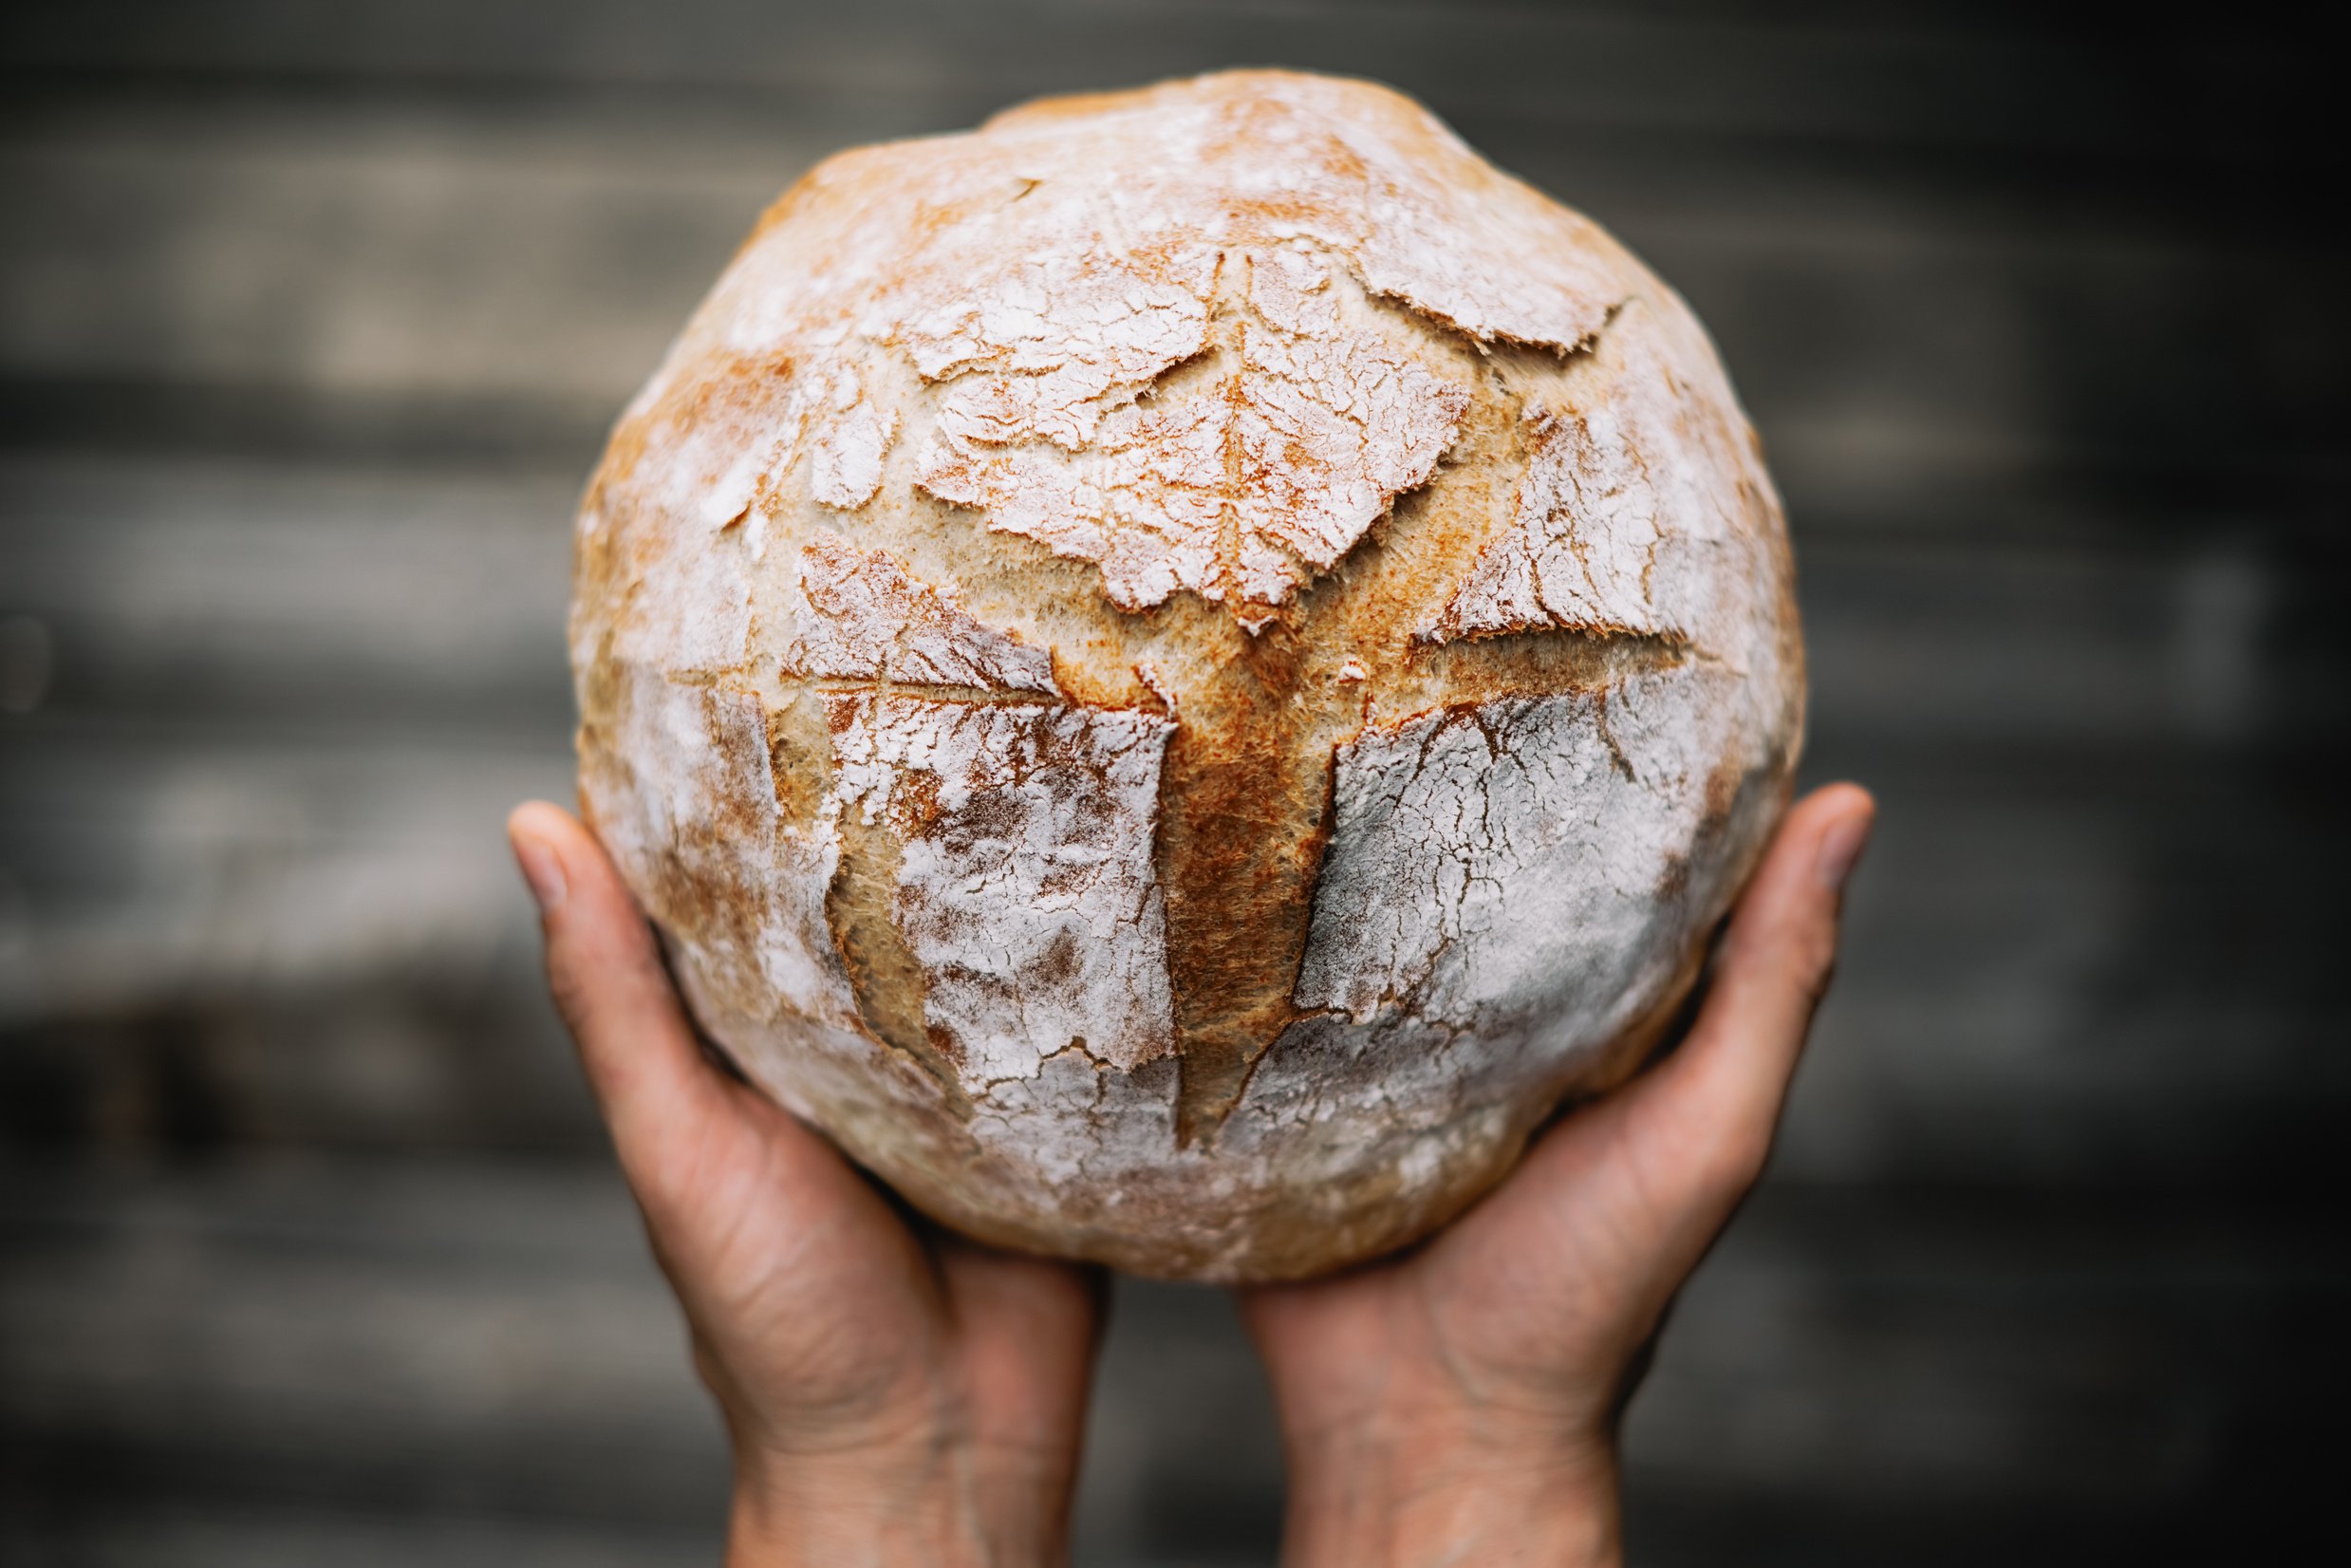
<point x="1177" y="670"/>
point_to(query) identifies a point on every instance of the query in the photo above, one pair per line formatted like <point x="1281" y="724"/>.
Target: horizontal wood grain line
<point x="1722" y="71"/>
<point x="264" y="421"/>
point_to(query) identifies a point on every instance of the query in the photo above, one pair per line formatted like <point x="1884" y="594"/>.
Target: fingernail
<point x="543" y="870"/>
<point x="1840" y="850"/>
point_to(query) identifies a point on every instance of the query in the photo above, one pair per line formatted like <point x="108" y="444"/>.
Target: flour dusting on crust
<point x="736" y="436"/>
<point x="1047" y="812"/>
<point x="1033" y="351"/>
<point x="683" y="798"/>
<point x="870" y="621"/>
<point x="1174" y="671"/>
<point x="1518" y="859"/>
<point x="1636" y="484"/>
<point x="1243" y="487"/>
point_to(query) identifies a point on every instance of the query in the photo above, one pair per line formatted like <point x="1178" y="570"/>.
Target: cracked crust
<point x="1177" y="670"/>
<point x="1259" y="472"/>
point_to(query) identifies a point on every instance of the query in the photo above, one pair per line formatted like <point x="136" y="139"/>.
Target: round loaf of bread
<point x="1177" y="671"/>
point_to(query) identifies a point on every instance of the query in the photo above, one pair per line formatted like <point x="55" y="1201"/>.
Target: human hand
<point x="1460" y="1404"/>
<point x="894" y="1394"/>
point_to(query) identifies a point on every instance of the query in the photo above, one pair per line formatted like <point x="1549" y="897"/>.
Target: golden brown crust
<point x="1177" y="670"/>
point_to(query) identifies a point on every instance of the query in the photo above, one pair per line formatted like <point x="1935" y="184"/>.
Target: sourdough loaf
<point x="1177" y="670"/>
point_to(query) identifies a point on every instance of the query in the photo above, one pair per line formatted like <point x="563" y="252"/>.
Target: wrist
<point x="1399" y="1499"/>
<point x="939" y="1505"/>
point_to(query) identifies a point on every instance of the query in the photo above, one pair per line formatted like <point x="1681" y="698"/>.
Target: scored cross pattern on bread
<point x="1176" y="670"/>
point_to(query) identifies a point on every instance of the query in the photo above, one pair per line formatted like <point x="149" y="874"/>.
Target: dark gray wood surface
<point x="310" y="319"/>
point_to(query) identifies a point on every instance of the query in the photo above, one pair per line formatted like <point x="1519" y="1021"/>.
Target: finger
<point x="1721" y="1091"/>
<point x="1031" y="1327"/>
<point x="988" y="1285"/>
<point x="641" y="1056"/>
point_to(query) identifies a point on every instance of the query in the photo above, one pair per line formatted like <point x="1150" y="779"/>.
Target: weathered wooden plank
<point x="422" y="1338"/>
<point x="284" y="1340"/>
<point x="365" y="600"/>
<point x="360" y="262"/>
<point x="1887" y="76"/>
<point x="150" y="874"/>
<point x="2080" y="992"/>
<point x="196" y="1535"/>
<point x="2009" y="643"/>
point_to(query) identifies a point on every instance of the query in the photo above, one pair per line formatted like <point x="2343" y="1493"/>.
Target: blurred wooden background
<point x="311" y="320"/>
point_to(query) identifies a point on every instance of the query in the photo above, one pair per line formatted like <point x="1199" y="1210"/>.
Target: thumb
<point x="1712" y="1107"/>
<point x="640" y="1053"/>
